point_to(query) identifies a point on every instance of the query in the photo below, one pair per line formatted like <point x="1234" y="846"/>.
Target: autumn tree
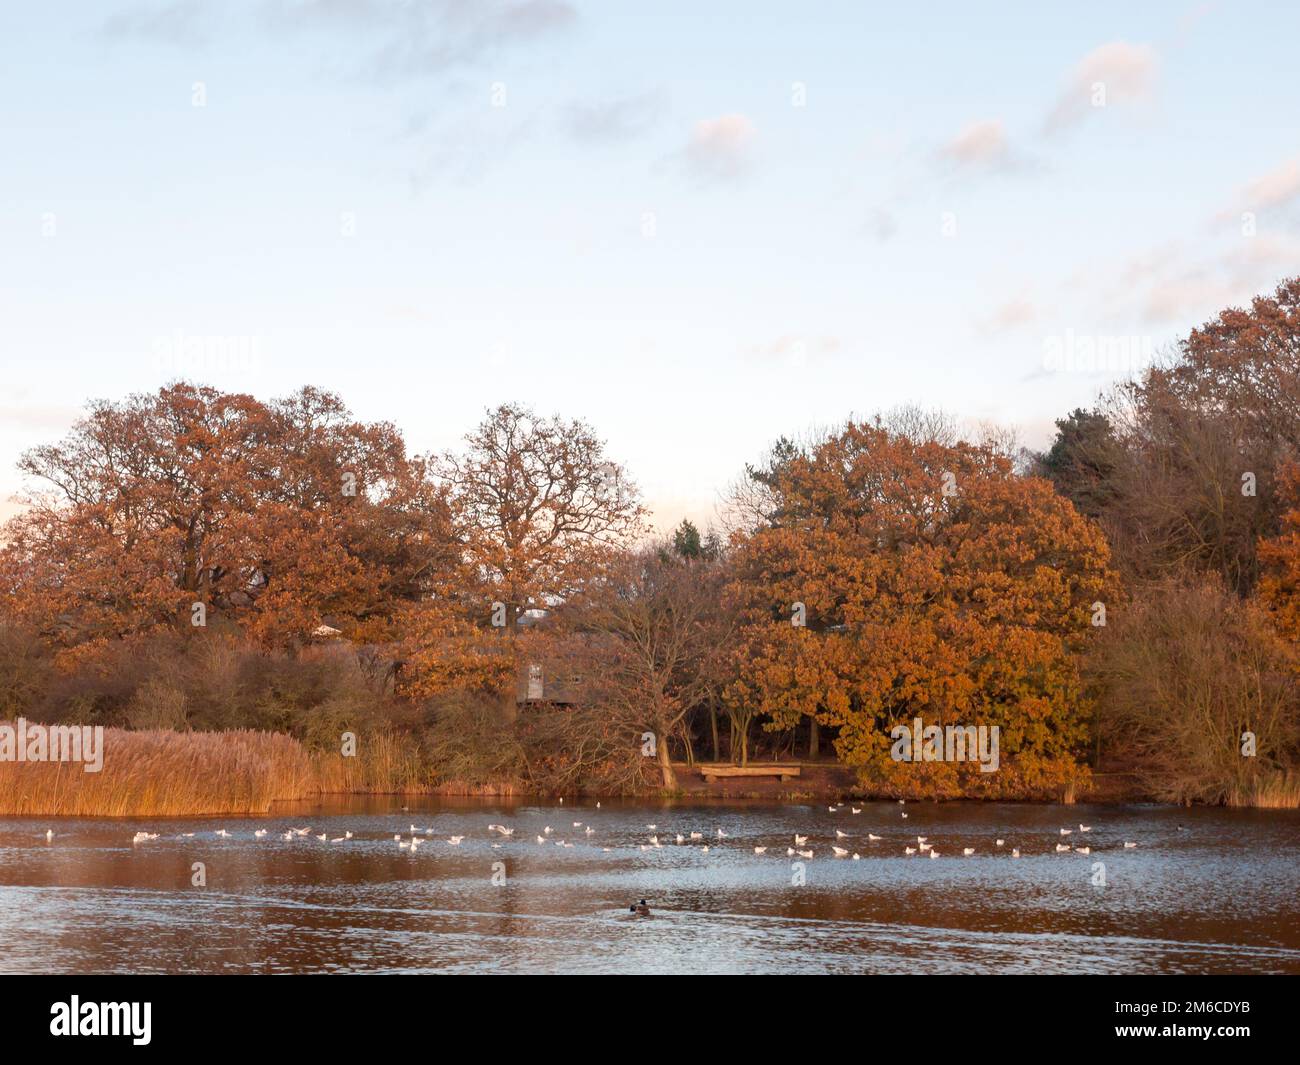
<point x="892" y="579"/>
<point x="446" y="648"/>
<point x="1279" y="585"/>
<point x="1190" y="484"/>
<point x="190" y="505"/>
<point x="24" y="669"/>
<point x="539" y="503"/>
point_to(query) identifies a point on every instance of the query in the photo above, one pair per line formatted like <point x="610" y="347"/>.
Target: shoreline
<point x="302" y="807"/>
<point x="819" y="782"/>
<point x="165" y="773"/>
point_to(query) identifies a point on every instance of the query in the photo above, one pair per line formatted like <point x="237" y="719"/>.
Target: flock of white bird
<point x="419" y="837"/>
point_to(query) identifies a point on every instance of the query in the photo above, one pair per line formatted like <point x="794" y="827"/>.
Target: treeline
<point x="500" y="616"/>
<point x="1191" y="471"/>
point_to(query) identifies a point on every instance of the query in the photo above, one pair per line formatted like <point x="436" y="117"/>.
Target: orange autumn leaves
<point x="270" y="517"/>
<point x="960" y="608"/>
<point x="1279" y="556"/>
<point x="444" y="651"/>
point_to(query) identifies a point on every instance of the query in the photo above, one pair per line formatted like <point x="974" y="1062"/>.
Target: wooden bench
<point x="712" y="772"/>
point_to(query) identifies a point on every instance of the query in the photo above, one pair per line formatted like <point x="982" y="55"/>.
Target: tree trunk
<point x="666" y="763"/>
<point x="813" y="737"/>
<point x="744" y="743"/>
<point x="713" y="720"/>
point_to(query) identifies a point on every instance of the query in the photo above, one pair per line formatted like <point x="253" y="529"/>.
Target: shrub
<point x="1182" y="673"/>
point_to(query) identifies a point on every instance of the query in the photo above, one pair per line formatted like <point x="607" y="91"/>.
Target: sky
<point x="696" y="225"/>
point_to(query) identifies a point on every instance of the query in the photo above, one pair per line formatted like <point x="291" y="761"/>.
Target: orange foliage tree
<point x="1279" y="584"/>
<point x="192" y="504"/>
<point x="932" y="582"/>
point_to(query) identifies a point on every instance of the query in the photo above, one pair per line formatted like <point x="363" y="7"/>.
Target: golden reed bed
<point x="162" y="773"/>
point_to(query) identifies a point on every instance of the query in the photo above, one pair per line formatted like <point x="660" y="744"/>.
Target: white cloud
<point x="980" y="143"/>
<point x="720" y="147"/>
<point x="409" y="39"/>
<point x="182" y="23"/>
<point x="1274" y="188"/>
<point x="1010" y="315"/>
<point x="1117" y="73"/>
<point x="614" y="120"/>
<point x="1229" y="278"/>
<point x="793" y="352"/>
<point x="399" y="38"/>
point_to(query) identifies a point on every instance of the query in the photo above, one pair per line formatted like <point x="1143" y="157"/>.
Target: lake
<point x="1204" y="890"/>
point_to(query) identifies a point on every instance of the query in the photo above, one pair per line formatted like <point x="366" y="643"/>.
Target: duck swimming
<point x="640" y="909"/>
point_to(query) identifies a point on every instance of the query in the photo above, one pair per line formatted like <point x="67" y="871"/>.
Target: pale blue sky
<point x="697" y="226"/>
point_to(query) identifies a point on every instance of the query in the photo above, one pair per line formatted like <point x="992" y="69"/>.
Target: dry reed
<point x="165" y="774"/>
<point x="1279" y="791"/>
<point x="386" y="763"/>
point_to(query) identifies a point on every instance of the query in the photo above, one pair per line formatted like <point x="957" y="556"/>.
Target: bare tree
<point x="540" y="504"/>
<point x="661" y="614"/>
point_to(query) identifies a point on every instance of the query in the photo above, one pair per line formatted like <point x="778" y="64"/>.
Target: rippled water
<point x="1204" y="891"/>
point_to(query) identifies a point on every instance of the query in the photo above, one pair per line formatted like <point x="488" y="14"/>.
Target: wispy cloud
<point x="183" y="23"/>
<point x="792" y="351"/>
<point x="1117" y="73"/>
<point x="1275" y="188"/>
<point x="720" y="148"/>
<point x="615" y="120"/>
<point x="397" y="38"/>
<point x="882" y="225"/>
<point x="466" y="150"/>
<point x="982" y="143"/>
<point x="1007" y="317"/>
<point x="1175" y="285"/>
<point x="1189" y="21"/>
<point x="403" y="39"/>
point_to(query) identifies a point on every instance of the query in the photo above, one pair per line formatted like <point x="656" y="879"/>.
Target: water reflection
<point x="1203" y="891"/>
